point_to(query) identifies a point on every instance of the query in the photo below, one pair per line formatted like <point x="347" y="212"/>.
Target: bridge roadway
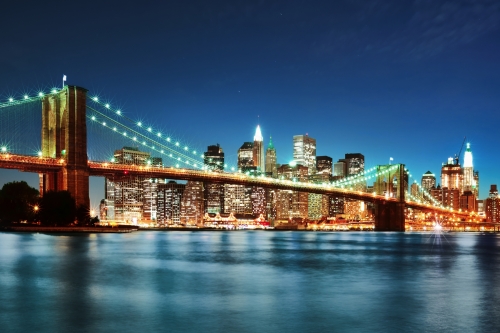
<point x="105" y="169"/>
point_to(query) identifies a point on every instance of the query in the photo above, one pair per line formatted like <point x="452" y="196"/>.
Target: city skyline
<point x="407" y="81"/>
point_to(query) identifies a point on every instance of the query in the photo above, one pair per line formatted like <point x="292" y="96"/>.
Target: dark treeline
<point x="21" y="203"/>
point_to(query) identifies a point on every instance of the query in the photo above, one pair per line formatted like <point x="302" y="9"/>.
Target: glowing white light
<point x="103" y="123"/>
<point x="4" y="149"/>
<point x="139" y="124"/>
<point x="93" y="118"/>
<point x="194" y="152"/>
<point x="149" y="129"/>
<point x="114" y="128"/>
<point x="40" y="154"/>
<point x="54" y="91"/>
<point x="177" y="144"/>
<point x="40" y="94"/>
<point x="11" y="99"/>
<point x="186" y="148"/>
<point x="134" y="138"/>
<point x="159" y="134"/>
<point x="124" y="133"/>
<point x="162" y="151"/>
<point x="25" y="96"/>
<point x="95" y="98"/>
<point x="118" y="112"/>
<point x="107" y="106"/>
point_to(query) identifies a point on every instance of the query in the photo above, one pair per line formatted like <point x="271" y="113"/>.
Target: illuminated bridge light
<point x="40" y="154"/>
<point x="103" y="123"/>
<point x="11" y="99"/>
<point x="95" y="98"/>
<point x="170" y="155"/>
<point x="194" y="152"/>
<point x="93" y="118"/>
<point x="177" y="144"/>
<point x="162" y="151"/>
<point x="118" y="112"/>
<point x="107" y="106"/>
<point x="139" y="124"/>
<point x="54" y="91"/>
<point x="186" y="148"/>
<point x="134" y="138"/>
<point x="159" y="134"/>
<point x="177" y="165"/>
<point x="168" y="139"/>
<point x="124" y="133"/>
<point x="4" y="149"/>
<point x="114" y="129"/>
<point x="40" y="94"/>
<point x="149" y="129"/>
<point x="144" y="143"/>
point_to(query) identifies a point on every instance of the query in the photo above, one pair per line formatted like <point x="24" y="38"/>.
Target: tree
<point x="18" y="202"/>
<point x="57" y="208"/>
<point x="83" y="215"/>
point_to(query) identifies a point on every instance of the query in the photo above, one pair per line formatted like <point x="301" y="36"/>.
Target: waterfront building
<point x="237" y="199"/>
<point x="292" y="204"/>
<point x="428" y="181"/>
<point x="468" y="202"/>
<point x="131" y="199"/>
<point x="258" y="154"/>
<point x="492" y="205"/>
<point x="192" y="209"/>
<point x="304" y="152"/>
<point x="314" y="206"/>
<point x="337" y="205"/>
<point x="271" y="166"/>
<point x="355" y="163"/>
<point x="169" y="199"/>
<point x="324" y="165"/>
<point x="258" y="197"/>
<point x="447" y="197"/>
<point x="213" y="193"/>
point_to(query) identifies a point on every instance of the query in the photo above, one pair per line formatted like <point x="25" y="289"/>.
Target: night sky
<point x="401" y="79"/>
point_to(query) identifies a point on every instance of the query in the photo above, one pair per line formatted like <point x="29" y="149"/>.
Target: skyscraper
<point x="214" y="157"/>
<point x="271" y="166"/>
<point x="169" y="202"/>
<point x="355" y="163"/>
<point x="468" y="171"/>
<point x="245" y="157"/>
<point x="258" y="150"/>
<point x="304" y="152"/>
<point x="324" y="165"/>
<point x="213" y="193"/>
<point x="492" y="209"/>
<point x="428" y="180"/>
<point x="451" y="175"/>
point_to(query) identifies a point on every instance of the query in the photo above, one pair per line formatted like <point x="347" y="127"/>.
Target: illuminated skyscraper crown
<point x="468" y="157"/>
<point x="258" y="135"/>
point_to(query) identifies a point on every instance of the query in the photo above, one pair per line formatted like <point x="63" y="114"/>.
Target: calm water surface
<point x="251" y="281"/>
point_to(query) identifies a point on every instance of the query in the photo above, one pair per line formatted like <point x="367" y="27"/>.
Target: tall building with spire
<point x="468" y="170"/>
<point x="271" y="166"/>
<point x="258" y="150"/>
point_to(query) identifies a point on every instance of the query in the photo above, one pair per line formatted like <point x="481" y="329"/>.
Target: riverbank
<point x="69" y="229"/>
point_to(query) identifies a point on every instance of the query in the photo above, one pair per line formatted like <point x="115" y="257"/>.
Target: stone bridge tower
<point x="391" y="182"/>
<point x="64" y="136"/>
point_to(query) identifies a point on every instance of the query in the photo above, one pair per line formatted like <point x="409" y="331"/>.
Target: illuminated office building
<point x="304" y="152"/>
<point x="169" y="199"/>
<point x="245" y="157"/>
<point x="258" y="154"/>
<point x="213" y="193"/>
<point x="292" y="204"/>
<point x="324" y="165"/>
<point x="492" y="206"/>
<point x="271" y="166"/>
<point x="451" y="175"/>
<point x="192" y="209"/>
<point x="428" y="181"/>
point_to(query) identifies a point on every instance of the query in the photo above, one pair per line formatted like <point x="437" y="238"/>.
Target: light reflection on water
<point x="249" y="282"/>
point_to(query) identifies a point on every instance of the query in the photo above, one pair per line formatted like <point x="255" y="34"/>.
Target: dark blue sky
<point x="401" y="79"/>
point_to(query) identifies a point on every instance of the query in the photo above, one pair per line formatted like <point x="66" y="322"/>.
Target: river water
<point x="250" y="281"/>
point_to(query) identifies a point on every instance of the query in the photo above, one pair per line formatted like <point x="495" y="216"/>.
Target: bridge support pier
<point x="389" y="216"/>
<point x="64" y="136"/>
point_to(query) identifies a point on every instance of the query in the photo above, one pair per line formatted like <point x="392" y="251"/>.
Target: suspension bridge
<point x="74" y="125"/>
